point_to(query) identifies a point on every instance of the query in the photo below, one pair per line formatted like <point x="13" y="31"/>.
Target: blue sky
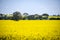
<point x="30" y="6"/>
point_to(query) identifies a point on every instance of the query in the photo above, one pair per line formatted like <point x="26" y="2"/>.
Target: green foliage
<point x="17" y="16"/>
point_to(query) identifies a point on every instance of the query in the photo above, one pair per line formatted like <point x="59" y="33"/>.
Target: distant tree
<point x="17" y="15"/>
<point x="58" y="15"/>
<point x="36" y="16"/>
<point x="54" y="15"/>
<point x="52" y="18"/>
<point x="5" y="17"/>
<point x="25" y="16"/>
<point x="45" y="16"/>
<point x="58" y="18"/>
<point x="31" y="17"/>
<point x="40" y="17"/>
<point x="1" y="16"/>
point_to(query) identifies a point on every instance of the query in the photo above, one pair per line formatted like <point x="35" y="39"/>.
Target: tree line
<point x="18" y="16"/>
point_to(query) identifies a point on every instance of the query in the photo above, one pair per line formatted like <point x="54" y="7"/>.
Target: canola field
<point x="30" y="27"/>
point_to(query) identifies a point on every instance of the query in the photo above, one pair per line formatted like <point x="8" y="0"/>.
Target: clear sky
<point x="30" y="6"/>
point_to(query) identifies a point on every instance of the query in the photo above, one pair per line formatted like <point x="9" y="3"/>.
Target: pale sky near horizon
<point x="52" y="7"/>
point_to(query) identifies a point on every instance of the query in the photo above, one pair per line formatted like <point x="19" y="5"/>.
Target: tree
<point x="17" y="15"/>
<point x="1" y="16"/>
<point x="54" y="15"/>
<point x="45" y="16"/>
<point x="5" y="17"/>
<point x="25" y="16"/>
<point x="40" y="17"/>
<point x="36" y="16"/>
<point x="52" y="18"/>
<point x="31" y="17"/>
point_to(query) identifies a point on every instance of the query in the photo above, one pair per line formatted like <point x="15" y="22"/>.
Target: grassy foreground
<point x="30" y="27"/>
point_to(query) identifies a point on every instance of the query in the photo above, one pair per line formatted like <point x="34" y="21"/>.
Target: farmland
<point x="30" y="27"/>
